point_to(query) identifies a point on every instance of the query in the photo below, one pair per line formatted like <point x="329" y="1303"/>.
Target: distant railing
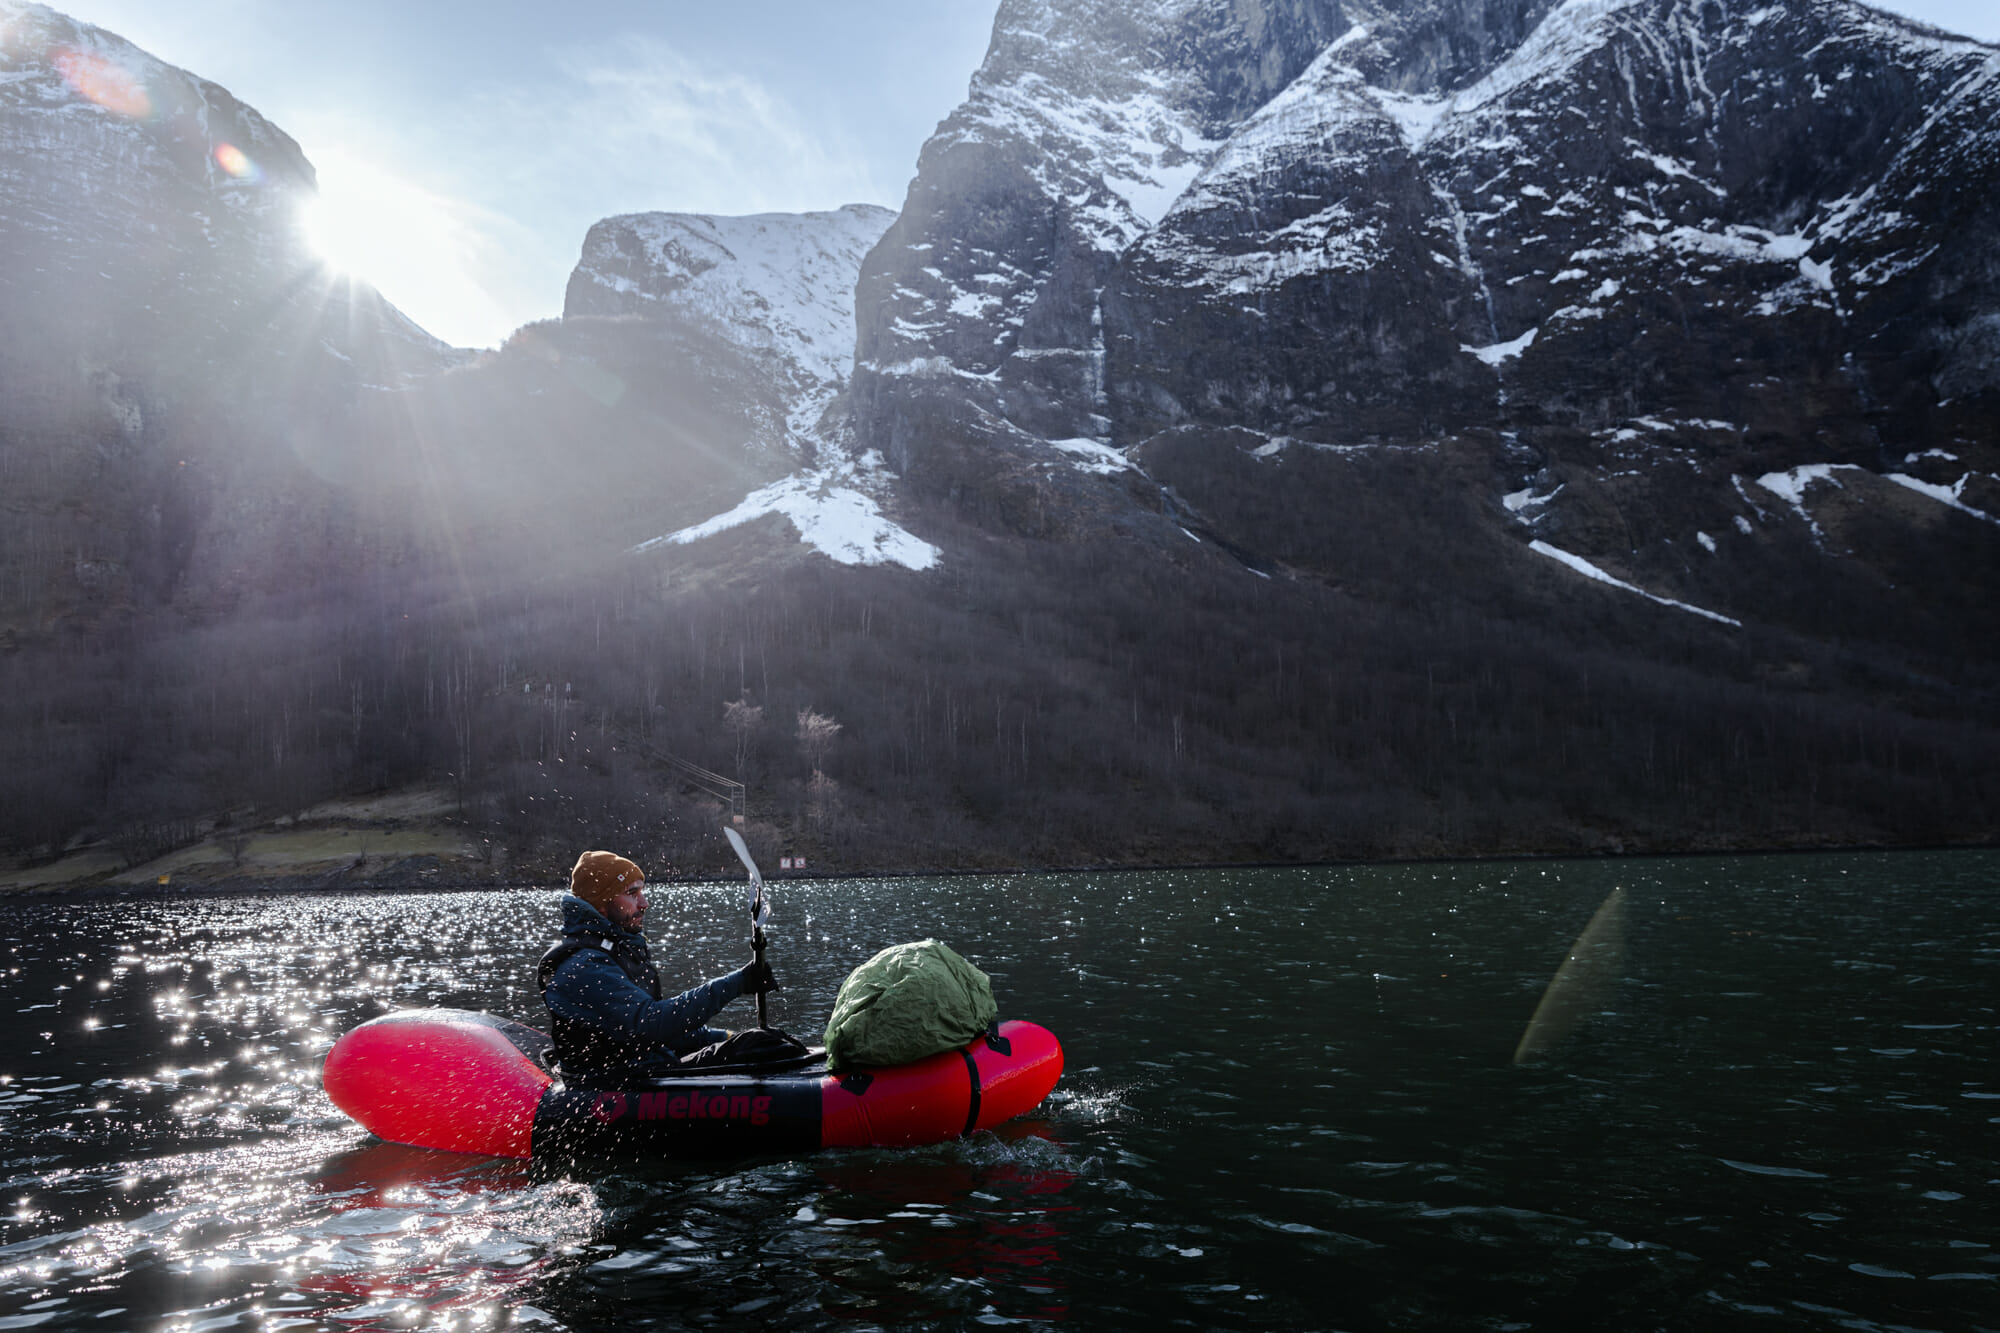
<point x="725" y="789"/>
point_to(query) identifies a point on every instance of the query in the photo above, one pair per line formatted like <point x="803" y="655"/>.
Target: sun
<point x="420" y="249"/>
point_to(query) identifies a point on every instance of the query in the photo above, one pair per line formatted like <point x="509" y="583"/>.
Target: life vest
<point x="586" y="1054"/>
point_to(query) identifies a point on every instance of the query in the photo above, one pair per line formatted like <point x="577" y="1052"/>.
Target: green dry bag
<point x="907" y="1002"/>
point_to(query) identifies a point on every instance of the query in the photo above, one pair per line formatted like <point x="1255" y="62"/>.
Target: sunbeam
<point x="415" y="246"/>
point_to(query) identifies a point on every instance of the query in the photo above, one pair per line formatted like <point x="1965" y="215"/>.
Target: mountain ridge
<point x="1230" y="467"/>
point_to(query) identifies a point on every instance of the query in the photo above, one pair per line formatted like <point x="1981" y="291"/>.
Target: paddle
<point x="760" y="910"/>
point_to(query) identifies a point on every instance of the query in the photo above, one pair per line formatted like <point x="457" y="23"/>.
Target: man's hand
<point x="757" y="979"/>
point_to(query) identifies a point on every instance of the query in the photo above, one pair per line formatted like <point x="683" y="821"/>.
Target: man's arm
<point x="590" y="987"/>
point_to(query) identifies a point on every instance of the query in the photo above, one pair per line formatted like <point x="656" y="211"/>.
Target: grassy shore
<point x="399" y="838"/>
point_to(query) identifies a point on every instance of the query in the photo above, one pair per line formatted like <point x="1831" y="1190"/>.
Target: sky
<point x="464" y="148"/>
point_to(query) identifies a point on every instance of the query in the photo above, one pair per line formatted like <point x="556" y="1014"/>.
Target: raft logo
<point x="702" y="1106"/>
<point x="608" y="1107"/>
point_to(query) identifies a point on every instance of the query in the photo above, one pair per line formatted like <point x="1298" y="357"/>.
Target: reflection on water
<point x="1290" y="1103"/>
<point x="1578" y="991"/>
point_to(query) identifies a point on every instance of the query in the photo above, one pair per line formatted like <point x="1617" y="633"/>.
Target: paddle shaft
<point x="742" y="851"/>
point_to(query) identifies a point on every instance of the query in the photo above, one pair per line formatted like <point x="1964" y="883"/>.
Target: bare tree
<point x="817" y="733"/>
<point x="822" y="801"/>
<point x="742" y="718"/>
<point x="234" y="845"/>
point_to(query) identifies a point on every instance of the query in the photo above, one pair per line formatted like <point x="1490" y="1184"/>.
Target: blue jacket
<point x="608" y="1017"/>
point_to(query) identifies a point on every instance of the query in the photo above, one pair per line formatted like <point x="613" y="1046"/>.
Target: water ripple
<point x="1289" y="1105"/>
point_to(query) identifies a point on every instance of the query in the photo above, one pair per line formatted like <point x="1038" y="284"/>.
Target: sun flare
<point x="418" y="248"/>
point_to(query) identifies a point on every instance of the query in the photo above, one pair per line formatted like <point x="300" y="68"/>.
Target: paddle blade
<point x="743" y="854"/>
<point x="760" y="911"/>
<point x="1577" y="991"/>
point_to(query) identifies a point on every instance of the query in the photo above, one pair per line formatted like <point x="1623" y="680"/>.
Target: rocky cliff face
<point x="1664" y="209"/>
<point x="147" y="215"/>
<point x="1679" y="312"/>
<point x="1727" y="237"/>
<point x="186" y="385"/>
<point x="979" y="310"/>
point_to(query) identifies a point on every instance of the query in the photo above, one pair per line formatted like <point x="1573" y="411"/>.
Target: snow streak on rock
<point x="1592" y="572"/>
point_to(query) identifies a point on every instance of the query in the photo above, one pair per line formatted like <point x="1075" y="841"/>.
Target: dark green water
<point x="1289" y="1104"/>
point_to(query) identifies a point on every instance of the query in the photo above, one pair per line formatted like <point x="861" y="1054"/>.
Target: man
<point x="609" y="1020"/>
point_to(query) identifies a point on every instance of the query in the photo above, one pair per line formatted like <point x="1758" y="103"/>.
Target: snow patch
<point x="972" y="305"/>
<point x="929" y="367"/>
<point x="838" y="521"/>
<point x="1142" y="148"/>
<point x="1945" y="495"/>
<point x="1590" y="571"/>
<point x="1493" y="354"/>
<point x="1416" y="117"/>
<point x="1094" y="455"/>
<point x="1791" y="485"/>
<point x="1672" y="167"/>
<point x="1517" y="502"/>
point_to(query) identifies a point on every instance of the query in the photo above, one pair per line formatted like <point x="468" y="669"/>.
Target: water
<point x="1289" y="1104"/>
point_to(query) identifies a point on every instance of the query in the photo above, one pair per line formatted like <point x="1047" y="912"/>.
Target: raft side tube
<point x="439" y="1078"/>
<point x="921" y="1102"/>
<point x="684" y="1115"/>
<point x="942" y="1096"/>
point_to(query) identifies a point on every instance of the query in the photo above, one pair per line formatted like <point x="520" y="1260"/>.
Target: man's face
<point x="628" y="909"/>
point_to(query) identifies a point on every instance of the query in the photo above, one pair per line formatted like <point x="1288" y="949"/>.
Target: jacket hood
<point x="580" y="918"/>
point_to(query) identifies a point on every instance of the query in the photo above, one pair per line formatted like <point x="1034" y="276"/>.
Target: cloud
<point x="637" y="126"/>
<point x="626" y="127"/>
<point x="520" y="172"/>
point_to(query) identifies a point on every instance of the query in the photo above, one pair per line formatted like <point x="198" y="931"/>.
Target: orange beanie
<point x="598" y="877"/>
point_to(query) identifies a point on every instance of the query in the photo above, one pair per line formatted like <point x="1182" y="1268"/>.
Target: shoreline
<point x="387" y="880"/>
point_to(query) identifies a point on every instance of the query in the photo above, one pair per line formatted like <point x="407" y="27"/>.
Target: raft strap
<point x="972" y="1106"/>
<point x="856" y="1081"/>
<point x="996" y="1043"/>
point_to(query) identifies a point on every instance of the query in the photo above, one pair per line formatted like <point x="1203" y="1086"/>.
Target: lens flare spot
<point x="104" y="82"/>
<point x="237" y="163"/>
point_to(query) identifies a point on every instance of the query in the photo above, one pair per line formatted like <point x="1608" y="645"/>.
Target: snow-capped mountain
<point x="778" y="286"/>
<point x="1299" y="428"/>
<point x="764" y="303"/>
<point x="1624" y="216"/>
<point x="1082" y="125"/>
<point x="1626" y="260"/>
